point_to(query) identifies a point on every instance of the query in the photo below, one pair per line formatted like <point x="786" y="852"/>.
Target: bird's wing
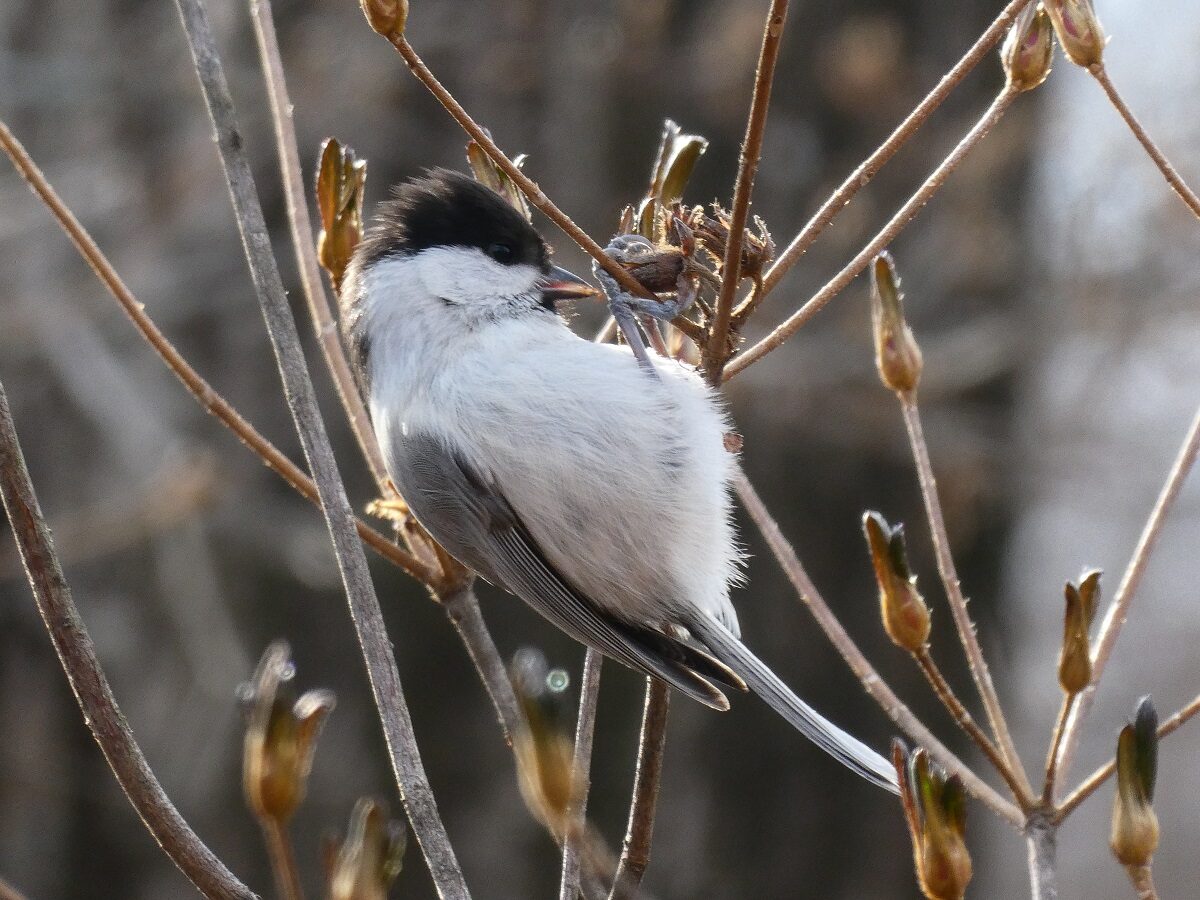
<point x="469" y="516"/>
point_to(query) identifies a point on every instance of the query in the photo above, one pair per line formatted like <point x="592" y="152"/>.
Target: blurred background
<point x="1052" y="284"/>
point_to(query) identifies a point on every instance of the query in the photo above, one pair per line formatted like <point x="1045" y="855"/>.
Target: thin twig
<point x="967" y="723"/>
<point x="954" y="595"/>
<point x="409" y="771"/>
<point x="895" y="225"/>
<point x="639" y="833"/>
<point x="1041" y="839"/>
<point x="204" y="393"/>
<point x="8" y="892"/>
<point x="874" y="685"/>
<point x="462" y="607"/>
<point x="319" y="306"/>
<point x="1186" y="194"/>
<point x="1056" y="736"/>
<point x="528" y="187"/>
<point x="1118" y="610"/>
<point x="283" y="859"/>
<point x="581" y="766"/>
<point x="78" y="657"/>
<point x="869" y="168"/>
<point x="1102" y="774"/>
<point x="717" y="351"/>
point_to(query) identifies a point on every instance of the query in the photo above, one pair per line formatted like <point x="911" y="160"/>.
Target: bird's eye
<point x="501" y="253"/>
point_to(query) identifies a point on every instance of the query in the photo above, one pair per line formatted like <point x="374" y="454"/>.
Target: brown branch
<point x="954" y="595"/>
<point x="717" y="351"/>
<point x="204" y="393"/>
<point x="886" y="235"/>
<point x="319" y="306"/>
<point x="415" y="792"/>
<point x="1102" y="774"/>
<point x="967" y="723"/>
<point x="581" y="766"/>
<point x="1178" y="185"/>
<point x="635" y="852"/>
<point x="875" y="686"/>
<point x="1056" y="737"/>
<point x="283" y="859"/>
<point x="1118" y="610"/>
<point x="869" y="168"/>
<point x="462" y="608"/>
<point x="78" y="657"/>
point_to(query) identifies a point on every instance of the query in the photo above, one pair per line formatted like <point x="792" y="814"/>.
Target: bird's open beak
<point x="559" y="284"/>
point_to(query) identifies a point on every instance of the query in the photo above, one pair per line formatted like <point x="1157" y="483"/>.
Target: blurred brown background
<point x="1052" y="285"/>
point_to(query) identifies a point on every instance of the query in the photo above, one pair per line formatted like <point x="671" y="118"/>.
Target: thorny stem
<point x="1041" y="839"/>
<point x="875" y="686"/>
<point x="1142" y="878"/>
<point x="283" y="859"/>
<point x="581" y="765"/>
<point x="1186" y="194"/>
<point x="869" y="168"/>
<point x="1118" y="610"/>
<point x="731" y="266"/>
<point x="635" y="852"/>
<point x="895" y="225"/>
<point x="204" y="393"/>
<point x="1101" y="775"/>
<point x="967" y="723"/>
<point x="367" y="617"/>
<point x="528" y="187"/>
<point x="954" y="594"/>
<point x="78" y="657"/>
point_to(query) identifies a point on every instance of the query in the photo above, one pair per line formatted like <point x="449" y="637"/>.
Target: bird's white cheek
<point x="467" y="276"/>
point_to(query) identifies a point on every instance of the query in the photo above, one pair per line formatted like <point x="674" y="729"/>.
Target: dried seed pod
<point x="1028" y="49"/>
<point x="905" y="616"/>
<point x="341" y="180"/>
<point x="897" y="355"/>
<point x="386" y="17"/>
<point x="1075" y="657"/>
<point x="1134" y="836"/>
<point x="944" y="866"/>
<point x="365" y="865"/>
<point x="1078" y="30"/>
<point x="545" y="747"/>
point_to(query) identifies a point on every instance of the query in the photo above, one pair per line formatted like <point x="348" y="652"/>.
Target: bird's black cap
<point x="447" y="209"/>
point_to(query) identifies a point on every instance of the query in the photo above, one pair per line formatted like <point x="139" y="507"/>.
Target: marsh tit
<point x="556" y="468"/>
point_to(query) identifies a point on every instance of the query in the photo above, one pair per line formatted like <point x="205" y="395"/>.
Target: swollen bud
<point x="281" y="736"/>
<point x="1028" y="49"/>
<point x="897" y="355"/>
<point x="368" y="861"/>
<point x="1075" y="658"/>
<point x="341" y="180"/>
<point x="943" y="863"/>
<point x="386" y="17"/>
<point x="1134" y="825"/>
<point x="905" y="615"/>
<point x="1078" y="30"/>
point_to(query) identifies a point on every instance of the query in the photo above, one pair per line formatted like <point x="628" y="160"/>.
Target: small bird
<point x="559" y="469"/>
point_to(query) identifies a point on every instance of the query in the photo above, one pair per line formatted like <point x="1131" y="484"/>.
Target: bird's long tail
<point x="849" y="751"/>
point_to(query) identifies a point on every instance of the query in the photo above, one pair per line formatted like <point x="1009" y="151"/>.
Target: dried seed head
<point x="341" y="180"/>
<point x="386" y="17"/>
<point x="281" y="736"/>
<point x="943" y="863"/>
<point x="897" y="355"/>
<point x="905" y="615"/>
<point x="1029" y="48"/>
<point x="1134" y="835"/>
<point x="368" y="861"/>
<point x="1075" y="657"/>
<point x="544" y="748"/>
<point x="487" y="173"/>
<point x="1079" y="31"/>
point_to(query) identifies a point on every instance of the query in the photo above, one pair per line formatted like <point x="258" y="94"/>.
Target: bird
<point x="557" y="468"/>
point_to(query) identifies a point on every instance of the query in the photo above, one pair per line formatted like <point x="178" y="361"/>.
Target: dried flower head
<point x="897" y="355"/>
<point x="943" y="862"/>
<point x="368" y="861"/>
<point x="1028" y="49"/>
<point x="905" y="615"/>
<point x="341" y="179"/>
<point x="1079" y="31"/>
<point x="1134" y="836"/>
<point x="712" y="234"/>
<point x="1075" y="658"/>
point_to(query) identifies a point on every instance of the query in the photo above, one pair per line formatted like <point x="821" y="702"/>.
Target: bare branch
<point x="415" y="791"/>
<point x="869" y="168"/>
<point x="581" y="765"/>
<point x="78" y="657"/>
<point x="635" y="853"/>
<point x="954" y="595"/>
<point x="1118" y="610"/>
<point x="886" y="235"/>
<point x="8" y="892"/>
<point x="1041" y="839"/>
<point x="731" y="267"/>
<point x="874" y="685"/>
<point x="1056" y="737"/>
<point x="283" y="859"/>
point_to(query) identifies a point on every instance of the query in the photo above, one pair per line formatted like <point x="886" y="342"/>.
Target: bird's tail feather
<point x="849" y="751"/>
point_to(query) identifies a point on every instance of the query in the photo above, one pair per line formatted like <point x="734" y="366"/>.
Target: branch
<point x="319" y="306"/>
<point x="283" y="859"/>
<point x="1041" y="838"/>
<point x="8" y="892"/>
<point x="869" y="168"/>
<point x="886" y="235"/>
<point x="731" y="267"/>
<point x="1056" y="737"/>
<point x="954" y="595"/>
<point x="1101" y="775"/>
<point x="635" y="853"/>
<point x="78" y="657"/>
<point x="1186" y="194"/>
<point x="581" y="764"/>
<point x="364" y="605"/>
<point x="871" y="681"/>
<point x="1118" y="610"/>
